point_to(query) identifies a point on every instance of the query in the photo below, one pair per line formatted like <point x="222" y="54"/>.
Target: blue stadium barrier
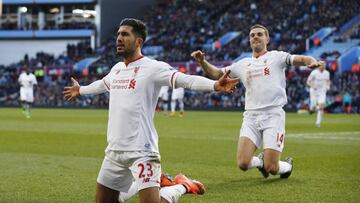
<point x="243" y="55"/>
<point x="323" y="33"/>
<point x="21" y="34"/>
<point x="18" y="2"/>
<point x="153" y="50"/>
<point x="208" y="47"/>
<point x="22" y="2"/>
<point x="349" y="24"/>
<point x="330" y="45"/>
<point x="63" y="33"/>
<point x="63" y="1"/>
<point x="11" y="34"/>
<point x="85" y="63"/>
<point x="225" y="39"/>
<point x="349" y="58"/>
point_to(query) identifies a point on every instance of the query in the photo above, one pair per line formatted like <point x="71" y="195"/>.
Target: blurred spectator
<point x="355" y="68"/>
<point x="346" y="102"/>
<point x="317" y="41"/>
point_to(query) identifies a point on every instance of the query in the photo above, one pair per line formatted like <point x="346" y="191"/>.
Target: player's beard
<point x="127" y="53"/>
<point x="258" y="47"/>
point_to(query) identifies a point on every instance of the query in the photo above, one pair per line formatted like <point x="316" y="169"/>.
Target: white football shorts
<point x="265" y="127"/>
<point x="119" y="169"/>
<point x="317" y="97"/>
<point x="177" y="93"/>
<point x="27" y="95"/>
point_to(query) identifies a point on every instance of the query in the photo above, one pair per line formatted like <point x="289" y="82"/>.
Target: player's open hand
<point x="72" y="92"/>
<point x="316" y="64"/>
<point x="226" y="84"/>
<point x="199" y="56"/>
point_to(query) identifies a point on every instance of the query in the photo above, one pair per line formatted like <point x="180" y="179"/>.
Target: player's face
<point x="126" y="42"/>
<point x="258" y="39"/>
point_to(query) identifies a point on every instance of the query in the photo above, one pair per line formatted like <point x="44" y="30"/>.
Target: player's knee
<point x="104" y="194"/>
<point x="243" y="165"/>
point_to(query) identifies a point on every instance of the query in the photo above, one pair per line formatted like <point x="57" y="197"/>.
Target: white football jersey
<point x="134" y="91"/>
<point x="27" y="81"/>
<point x="264" y="79"/>
<point x="320" y="80"/>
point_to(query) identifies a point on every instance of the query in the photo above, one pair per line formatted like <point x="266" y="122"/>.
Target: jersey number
<point x="142" y="170"/>
<point x="280" y="137"/>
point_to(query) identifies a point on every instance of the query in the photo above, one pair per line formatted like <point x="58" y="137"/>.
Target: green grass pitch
<point x="55" y="157"/>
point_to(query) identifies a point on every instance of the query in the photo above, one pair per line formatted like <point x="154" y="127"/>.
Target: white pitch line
<point x="354" y="135"/>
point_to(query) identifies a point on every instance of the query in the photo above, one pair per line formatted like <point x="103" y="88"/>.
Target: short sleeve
<point x="285" y="58"/>
<point x="164" y="75"/>
<point x="231" y="67"/>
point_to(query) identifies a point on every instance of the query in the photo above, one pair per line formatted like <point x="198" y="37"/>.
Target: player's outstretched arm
<point x="210" y="70"/>
<point x="226" y="84"/>
<point x="195" y="82"/>
<point x="72" y="92"/>
<point x="310" y="62"/>
<point x="75" y="91"/>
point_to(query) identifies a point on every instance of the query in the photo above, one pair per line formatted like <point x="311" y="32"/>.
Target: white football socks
<point x="172" y="193"/>
<point x="123" y="196"/>
<point x="181" y="105"/>
<point x="319" y="116"/>
<point x="173" y="105"/>
<point x="165" y="106"/>
<point x="255" y="162"/>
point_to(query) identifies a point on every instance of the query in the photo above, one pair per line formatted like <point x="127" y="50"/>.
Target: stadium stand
<point x="176" y="28"/>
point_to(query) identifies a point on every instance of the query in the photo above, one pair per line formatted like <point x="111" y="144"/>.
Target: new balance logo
<point x="132" y="84"/>
<point x="266" y="71"/>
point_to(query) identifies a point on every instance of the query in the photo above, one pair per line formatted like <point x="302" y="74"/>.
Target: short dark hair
<point x="262" y="27"/>
<point x="139" y="27"/>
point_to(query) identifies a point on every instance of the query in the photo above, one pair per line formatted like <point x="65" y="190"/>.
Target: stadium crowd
<point x="289" y="23"/>
<point x="344" y="95"/>
<point x="181" y="28"/>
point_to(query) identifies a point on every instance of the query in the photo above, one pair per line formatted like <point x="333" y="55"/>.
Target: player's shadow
<point x="251" y="182"/>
